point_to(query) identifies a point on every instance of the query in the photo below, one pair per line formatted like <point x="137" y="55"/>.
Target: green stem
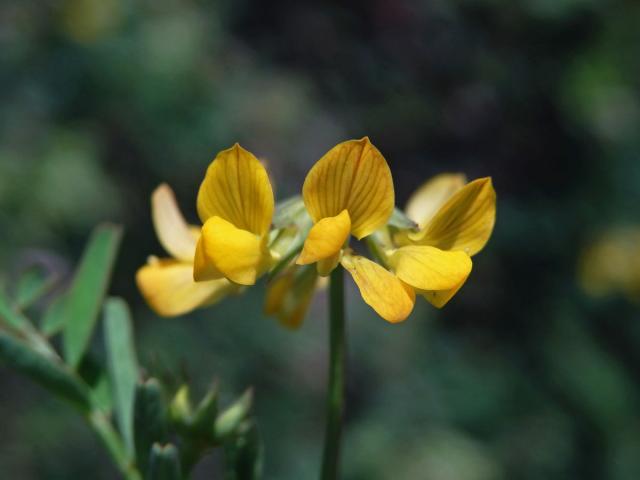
<point x="335" y="392"/>
<point x="103" y="428"/>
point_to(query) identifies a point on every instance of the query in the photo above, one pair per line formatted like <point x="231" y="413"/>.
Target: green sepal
<point x="289" y="212"/>
<point x="244" y="454"/>
<point x="204" y="417"/>
<point x="164" y="463"/>
<point x="196" y="423"/>
<point x="180" y="410"/>
<point x="398" y="219"/>
<point x="149" y="420"/>
<point x="229" y="421"/>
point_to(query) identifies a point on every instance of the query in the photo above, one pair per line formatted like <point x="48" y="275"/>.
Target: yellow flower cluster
<point x="348" y="192"/>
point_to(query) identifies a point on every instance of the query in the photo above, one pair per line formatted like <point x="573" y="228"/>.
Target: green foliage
<point x="90" y="283"/>
<point x="121" y="364"/>
<point x="32" y="285"/>
<point x="43" y="370"/>
<point x="99" y="389"/>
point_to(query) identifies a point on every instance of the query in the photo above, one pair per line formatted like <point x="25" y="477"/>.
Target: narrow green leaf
<point x="9" y="315"/>
<point x="164" y="463"/>
<point x="149" y="420"/>
<point x="87" y="291"/>
<point x="229" y="421"/>
<point x="42" y="370"/>
<point x="34" y="282"/>
<point x="121" y="365"/>
<point x="53" y="319"/>
<point x="94" y="374"/>
<point x="14" y="321"/>
<point x="399" y="220"/>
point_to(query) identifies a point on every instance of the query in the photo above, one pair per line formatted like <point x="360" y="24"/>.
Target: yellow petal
<point x="174" y="233"/>
<point x="289" y="295"/>
<point x="237" y="189"/>
<point x="354" y="176"/>
<point x="439" y="298"/>
<point x="168" y="287"/>
<point x="203" y="267"/>
<point x="236" y="254"/>
<point x="325" y="239"/>
<point x="465" y="221"/>
<point x="380" y="289"/>
<point x="428" y="268"/>
<point x="425" y="202"/>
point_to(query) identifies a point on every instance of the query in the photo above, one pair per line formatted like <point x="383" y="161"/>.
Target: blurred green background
<point x="521" y="376"/>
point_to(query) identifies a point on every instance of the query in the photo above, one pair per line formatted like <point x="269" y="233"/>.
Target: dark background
<point x="521" y="376"/>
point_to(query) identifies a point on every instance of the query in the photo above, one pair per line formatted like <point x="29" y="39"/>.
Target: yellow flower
<point x="612" y="264"/>
<point x="235" y="204"/>
<point x="452" y="214"/>
<point x="167" y="284"/>
<point x="349" y="191"/>
<point x="454" y="218"/>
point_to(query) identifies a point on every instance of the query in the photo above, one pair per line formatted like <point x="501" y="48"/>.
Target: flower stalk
<point x="103" y="428"/>
<point x="336" y="387"/>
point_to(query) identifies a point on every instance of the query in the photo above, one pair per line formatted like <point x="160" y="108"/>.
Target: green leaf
<point x="34" y="282"/>
<point x="14" y="320"/>
<point x="42" y="370"/>
<point x="87" y="291"/>
<point x="9" y="315"/>
<point x="53" y="319"/>
<point x="244" y="456"/>
<point x="93" y="373"/>
<point x="229" y="421"/>
<point x="164" y="463"/>
<point x="399" y="220"/>
<point x="149" y="420"/>
<point x="121" y="365"/>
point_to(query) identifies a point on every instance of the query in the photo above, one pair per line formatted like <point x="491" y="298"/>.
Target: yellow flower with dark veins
<point x="235" y="204"/>
<point x="349" y="191"/>
<point x="452" y="216"/>
<point x="167" y="283"/>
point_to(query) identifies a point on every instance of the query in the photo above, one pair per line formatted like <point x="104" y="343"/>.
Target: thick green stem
<point x="335" y="391"/>
<point x="103" y="428"/>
